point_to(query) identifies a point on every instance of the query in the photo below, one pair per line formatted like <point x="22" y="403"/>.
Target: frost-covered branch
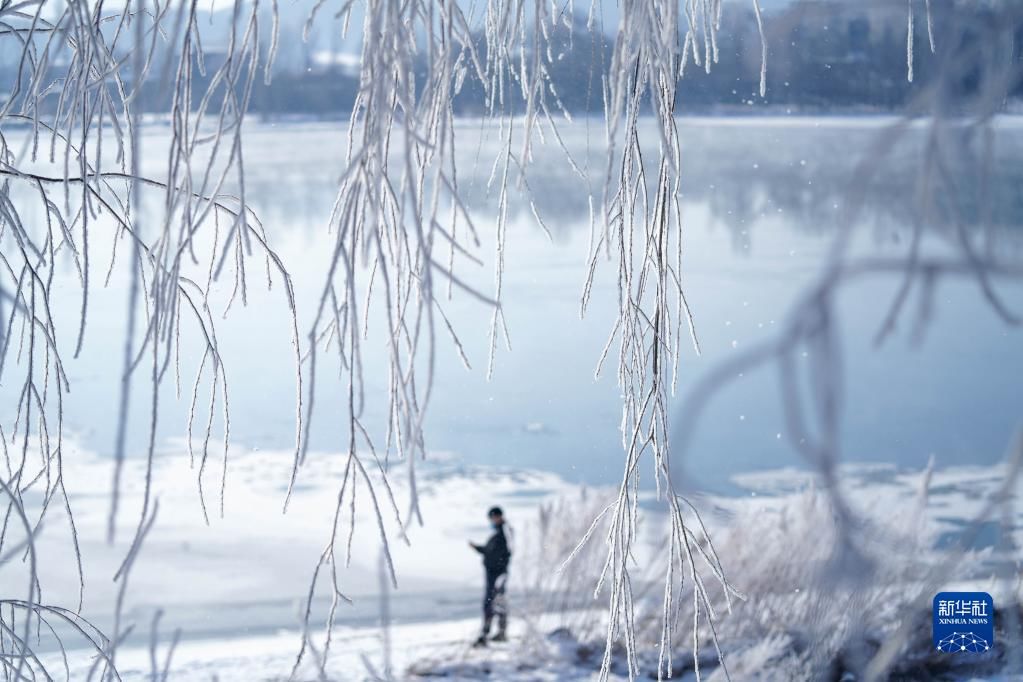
<point x="75" y="184"/>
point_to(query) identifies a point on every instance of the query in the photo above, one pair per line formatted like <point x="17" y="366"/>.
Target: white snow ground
<point x="235" y="587"/>
<point x="432" y="649"/>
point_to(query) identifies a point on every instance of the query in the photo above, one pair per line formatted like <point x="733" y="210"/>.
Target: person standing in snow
<point x="496" y="557"/>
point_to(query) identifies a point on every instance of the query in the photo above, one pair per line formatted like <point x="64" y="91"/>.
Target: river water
<point x="762" y="199"/>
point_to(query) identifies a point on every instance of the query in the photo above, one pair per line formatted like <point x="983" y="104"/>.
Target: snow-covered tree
<point x="82" y="77"/>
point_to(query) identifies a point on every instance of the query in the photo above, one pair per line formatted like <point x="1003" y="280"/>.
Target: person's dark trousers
<point x="495" y="604"/>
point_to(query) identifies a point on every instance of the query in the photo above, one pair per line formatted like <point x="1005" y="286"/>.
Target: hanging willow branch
<point x="73" y="177"/>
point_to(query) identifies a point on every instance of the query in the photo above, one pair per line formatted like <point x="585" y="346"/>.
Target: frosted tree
<point x="70" y="156"/>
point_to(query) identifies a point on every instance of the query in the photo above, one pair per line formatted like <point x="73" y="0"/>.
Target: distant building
<point x="345" y="63"/>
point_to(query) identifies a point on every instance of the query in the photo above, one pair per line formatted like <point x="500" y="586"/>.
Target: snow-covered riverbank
<point x="236" y="602"/>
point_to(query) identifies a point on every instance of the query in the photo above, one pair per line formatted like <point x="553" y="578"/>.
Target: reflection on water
<point x="761" y="199"/>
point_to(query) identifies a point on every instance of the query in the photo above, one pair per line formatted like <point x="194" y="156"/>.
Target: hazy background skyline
<point x="826" y="55"/>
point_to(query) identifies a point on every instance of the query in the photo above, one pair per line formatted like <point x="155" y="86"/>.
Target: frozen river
<point x="762" y="199"/>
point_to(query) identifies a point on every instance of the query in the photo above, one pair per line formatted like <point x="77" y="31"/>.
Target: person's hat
<point x="495" y="511"/>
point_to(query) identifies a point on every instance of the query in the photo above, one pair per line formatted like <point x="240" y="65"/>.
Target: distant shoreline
<point x="735" y="114"/>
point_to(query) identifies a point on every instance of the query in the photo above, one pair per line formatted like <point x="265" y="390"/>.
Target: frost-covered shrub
<point x="822" y="595"/>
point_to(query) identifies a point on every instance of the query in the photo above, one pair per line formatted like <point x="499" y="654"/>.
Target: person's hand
<point x="473" y="544"/>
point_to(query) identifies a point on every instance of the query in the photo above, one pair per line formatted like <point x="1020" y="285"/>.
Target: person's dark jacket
<point x="496" y="554"/>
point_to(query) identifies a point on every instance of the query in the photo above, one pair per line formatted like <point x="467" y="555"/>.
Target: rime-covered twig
<point x="402" y="235"/>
